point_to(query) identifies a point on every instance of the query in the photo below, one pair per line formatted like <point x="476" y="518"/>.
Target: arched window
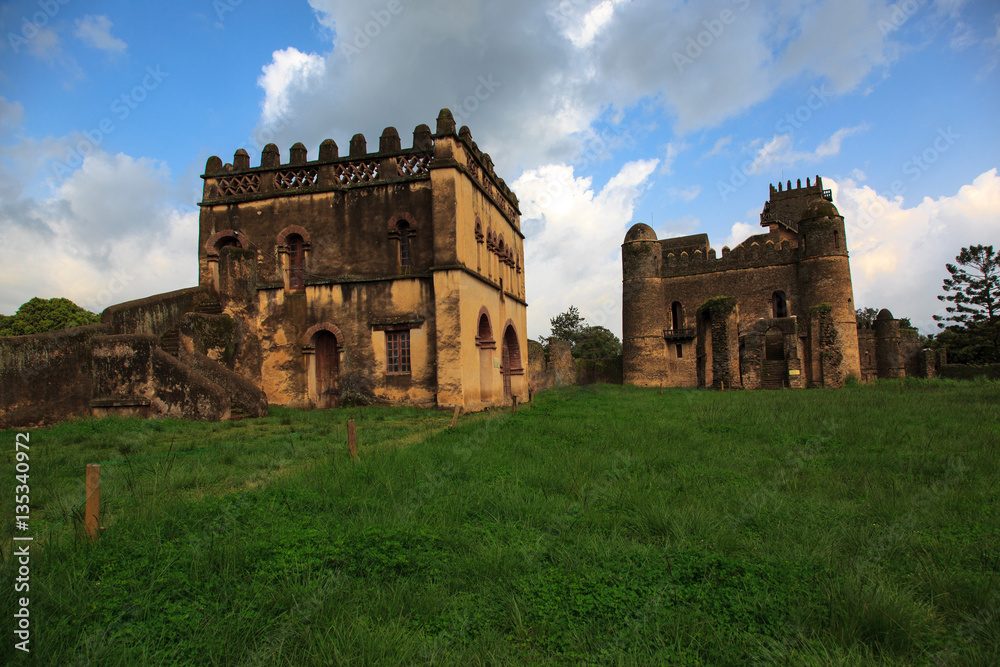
<point x="226" y="242"/>
<point x="779" y="305"/>
<point x="405" y="258"/>
<point x="676" y="315"/>
<point x="296" y="261"/>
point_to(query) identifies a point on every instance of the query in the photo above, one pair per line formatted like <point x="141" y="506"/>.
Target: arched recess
<point x="676" y="316"/>
<point x="322" y="346"/>
<point x="510" y="359"/>
<point x="223" y="239"/>
<point x="486" y="345"/>
<point x="294" y="246"/>
<point x="402" y="228"/>
<point x="779" y="305"/>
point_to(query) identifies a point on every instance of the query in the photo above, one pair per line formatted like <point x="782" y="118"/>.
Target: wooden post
<point x="531" y="397"/>
<point x="352" y="440"/>
<point x="514" y="404"/>
<point x="661" y="389"/>
<point x="93" y="507"/>
<point x="454" y="417"/>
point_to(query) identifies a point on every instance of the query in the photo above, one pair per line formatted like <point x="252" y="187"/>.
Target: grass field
<point x="603" y="525"/>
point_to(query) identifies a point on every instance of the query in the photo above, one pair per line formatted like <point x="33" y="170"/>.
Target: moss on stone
<point x="718" y="305"/>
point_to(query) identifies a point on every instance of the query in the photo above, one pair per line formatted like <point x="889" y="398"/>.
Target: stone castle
<point x="395" y="275"/>
<point x="398" y="276"/>
<point x="775" y="311"/>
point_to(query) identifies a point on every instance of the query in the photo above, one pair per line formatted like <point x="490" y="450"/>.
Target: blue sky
<point x="598" y="113"/>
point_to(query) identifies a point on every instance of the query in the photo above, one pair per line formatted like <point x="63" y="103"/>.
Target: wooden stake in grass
<point x="661" y="389"/>
<point x="531" y="397"/>
<point x="93" y="507"/>
<point x="514" y="404"/>
<point x="454" y="417"/>
<point x="352" y="440"/>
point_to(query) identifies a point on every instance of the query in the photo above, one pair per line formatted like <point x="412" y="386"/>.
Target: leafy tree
<point x="973" y="289"/>
<point x="597" y="343"/>
<point x="567" y="326"/>
<point x="586" y="342"/>
<point x="41" y="315"/>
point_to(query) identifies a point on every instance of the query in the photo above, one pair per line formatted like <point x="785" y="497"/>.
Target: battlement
<point x="330" y="171"/>
<point x="741" y="257"/>
<point x="786" y="204"/>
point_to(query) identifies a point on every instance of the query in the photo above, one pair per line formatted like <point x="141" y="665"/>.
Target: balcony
<point x="680" y="334"/>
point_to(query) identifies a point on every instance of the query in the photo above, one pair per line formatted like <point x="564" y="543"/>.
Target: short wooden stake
<point x="454" y="417"/>
<point x="352" y="439"/>
<point x="93" y="507"/>
<point x="531" y="397"/>
<point x="661" y="388"/>
<point x="514" y="404"/>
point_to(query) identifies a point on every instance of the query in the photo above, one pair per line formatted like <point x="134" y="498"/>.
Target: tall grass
<point x="602" y="525"/>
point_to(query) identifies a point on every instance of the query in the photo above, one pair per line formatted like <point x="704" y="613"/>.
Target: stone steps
<point x="773" y="374"/>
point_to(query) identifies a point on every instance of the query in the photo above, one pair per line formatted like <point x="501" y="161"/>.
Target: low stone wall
<point x="45" y="378"/>
<point x="153" y="315"/>
<point x="180" y="391"/>
<point x="969" y="372"/>
<point x="599" y="371"/>
<point x="243" y="394"/>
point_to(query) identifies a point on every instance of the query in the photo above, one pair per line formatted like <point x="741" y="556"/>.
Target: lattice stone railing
<point x="239" y="185"/>
<point x="414" y="165"/>
<point x="356" y="172"/>
<point x="289" y="179"/>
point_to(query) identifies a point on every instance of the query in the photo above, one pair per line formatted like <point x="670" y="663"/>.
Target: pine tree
<point x="974" y="292"/>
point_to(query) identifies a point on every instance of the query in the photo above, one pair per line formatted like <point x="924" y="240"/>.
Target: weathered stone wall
<point x="46" y="377"/>
<point x="152" y="315"/>
<point x="599" y="371"/>
<point x="179" y="391"/>
<point x="243" y="395"/>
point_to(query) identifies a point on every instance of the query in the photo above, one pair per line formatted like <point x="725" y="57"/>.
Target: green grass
<point x="603" y="525"/>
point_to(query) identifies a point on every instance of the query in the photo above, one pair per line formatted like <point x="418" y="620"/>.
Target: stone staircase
<point x="773" y="374"/>
<point x="170" y="342"/>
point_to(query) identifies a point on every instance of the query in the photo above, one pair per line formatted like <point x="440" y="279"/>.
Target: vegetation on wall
<point x="41" y="315"/>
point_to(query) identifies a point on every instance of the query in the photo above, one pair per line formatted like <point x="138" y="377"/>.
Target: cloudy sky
<point x="598" y="113"/>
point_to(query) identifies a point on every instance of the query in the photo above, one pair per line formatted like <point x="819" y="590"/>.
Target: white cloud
<point x="898" y="254"/>
<point x="779" y="151"/>
<point x="576" y="236"/>
<point x="739" y="233"/>
<point x="109" y="233"/>
<point x="673" y="150"/>
<point x="547" y="90"/>
<point x="95" y="31"/>
<point x="685" y="194"/>
<point x="719" y="146"/>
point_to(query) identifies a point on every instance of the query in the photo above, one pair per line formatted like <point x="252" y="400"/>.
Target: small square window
<point x="397" y="352"/>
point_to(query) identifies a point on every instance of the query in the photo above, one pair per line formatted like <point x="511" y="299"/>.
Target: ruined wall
<point x="153" y="315"/>
<point x="45" y="378"/>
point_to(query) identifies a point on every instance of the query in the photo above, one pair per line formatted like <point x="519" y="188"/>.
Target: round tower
<point x="824" y="276"/>
<point x="888" y="350"/>
<point x="642" y="308"/>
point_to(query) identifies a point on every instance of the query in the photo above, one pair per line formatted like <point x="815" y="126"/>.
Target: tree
<point x="41" y="315"/>
<point x="567" y="326"/>
<point x="586" y="342"/>
<point x="973" y="289"/>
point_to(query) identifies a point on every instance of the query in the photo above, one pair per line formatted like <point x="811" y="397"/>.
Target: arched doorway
<point x="774" y="345"/>
<point x="296" y="261"/>
<point x="487" y="346"/>
<point x="779" y="305"/>
<point x="327" y="369"/>
<point x="510" y="360"/>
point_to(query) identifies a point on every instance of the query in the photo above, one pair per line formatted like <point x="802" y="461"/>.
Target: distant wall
<point x="969" y="372"/>
<point x="599" y="371"/>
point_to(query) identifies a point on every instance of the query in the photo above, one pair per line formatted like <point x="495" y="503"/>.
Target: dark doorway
<point x="327" y="369"/>
<point x="296" y="261"/>
<point x="774" y="345"/>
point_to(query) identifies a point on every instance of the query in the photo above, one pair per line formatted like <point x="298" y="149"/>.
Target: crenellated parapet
<point x="678" y="262"/>
<point x="391" y="163"/>
<point x="785" y="204"/>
